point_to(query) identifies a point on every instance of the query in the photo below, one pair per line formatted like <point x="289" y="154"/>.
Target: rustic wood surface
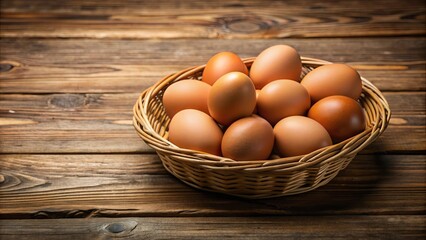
<point x="72" y="166"/>
<point x="50" y="186"/>
<point x="117" y="66"/>
<point x="98" y="123"/>
<point x="212" y="19"/>
<point x="289" y="227"/>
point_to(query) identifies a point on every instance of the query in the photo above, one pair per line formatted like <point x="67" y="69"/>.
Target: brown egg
<point x="276" y="62"/>
<point x="257" y="97"/>
<point x="299" y="135"/>
<point x="342" y="116"/>
<point x="249" y="138"/>
<point x="333" y="79"/>
<point x="186" y="94"/>
<point x="193" y="129"/>
<point x="282" y="98"/>
<point x="231" y="97"/>
<point x="221" y="64"/>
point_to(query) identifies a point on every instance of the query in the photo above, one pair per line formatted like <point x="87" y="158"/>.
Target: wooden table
<point x="73" y="167"/>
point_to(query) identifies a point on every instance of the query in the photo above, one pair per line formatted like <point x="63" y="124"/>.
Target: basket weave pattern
<point x="260" y="178"/>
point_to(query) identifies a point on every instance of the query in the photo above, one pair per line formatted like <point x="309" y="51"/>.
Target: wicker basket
<point x="254" y="179"/>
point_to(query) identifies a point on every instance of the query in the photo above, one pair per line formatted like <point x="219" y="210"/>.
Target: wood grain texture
<point x="71" y="70"/>
<point x="101" y="123"/>
<point x="295" y="227"/>
<point x="216" y="19"/>
<point x="56" y="186"/>
<point x="112" y="66"/>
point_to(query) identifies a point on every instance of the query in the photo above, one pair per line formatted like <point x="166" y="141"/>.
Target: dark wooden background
<point x="73" y="167"/>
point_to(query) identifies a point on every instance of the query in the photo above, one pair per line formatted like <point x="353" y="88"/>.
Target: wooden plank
<point x="296" y="227"/>
<point x="101" y="123"/>
<point x="111" y="66"/>
<point x="146" y="6"/>
<point x="118" y="185"/>
<point x="215" y="19"/>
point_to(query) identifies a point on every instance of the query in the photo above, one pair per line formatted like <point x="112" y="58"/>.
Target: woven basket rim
<point x="371" y="97"/>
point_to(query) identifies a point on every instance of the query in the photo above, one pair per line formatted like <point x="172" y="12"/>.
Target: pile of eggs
<point x="251" y="115"/>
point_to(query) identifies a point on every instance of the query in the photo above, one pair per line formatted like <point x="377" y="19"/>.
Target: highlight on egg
<point x="186" y="94"/>
<point x="231" y="97"/>
<point x="342" y="116"/>
<point x="282" y="98"/>
<point x="252" y="115"/>
<point x="333" y="79"/>
<point x="299" y="135"/>
<point x="193" y="129"/>
<point x="221" y="64"/>
<point x="276" y="62"/>
<point x="249" y="138"/>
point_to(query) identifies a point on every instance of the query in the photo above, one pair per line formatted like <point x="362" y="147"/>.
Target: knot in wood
<point x="121" y="229"/>
<point x="116" y="227"/>
<point x="67" y="100"/>
<point x="5" y="67"/>
<point x="245" y="24"/>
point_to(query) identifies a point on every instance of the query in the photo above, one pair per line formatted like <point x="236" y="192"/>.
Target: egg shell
<point x="231" y="97"/>
<point x="249" y="138"/>
<point x="299" y="135"/>
<point x="193" y="129"/>
<point x="276" y="62"/>
<point x="221" y="64"/>
<point x="257" y="97"/>
<point x="186" y="94"/>
<point x="343" y="117"/>
<point x="333" y="79"/>
<point x="282" y="98"/>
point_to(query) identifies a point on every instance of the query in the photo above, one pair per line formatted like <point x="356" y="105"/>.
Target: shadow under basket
<point x="260" y="178"/>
